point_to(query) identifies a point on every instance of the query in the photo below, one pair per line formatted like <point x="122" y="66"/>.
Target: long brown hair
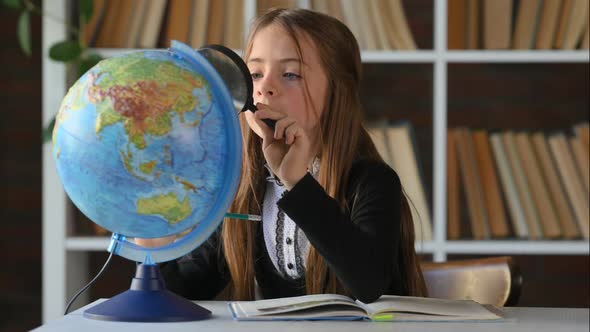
<point x="343" y="139"/>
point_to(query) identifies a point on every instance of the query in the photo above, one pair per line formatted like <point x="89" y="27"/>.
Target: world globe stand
<point x="147" y="300"/>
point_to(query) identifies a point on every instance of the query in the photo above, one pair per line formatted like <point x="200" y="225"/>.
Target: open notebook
<point x="386" y="308"/>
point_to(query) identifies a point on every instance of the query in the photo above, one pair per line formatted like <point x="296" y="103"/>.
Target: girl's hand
<point x="153" y="243"/>
<point x="160" y="241"/>
<point x="289" y="149"/>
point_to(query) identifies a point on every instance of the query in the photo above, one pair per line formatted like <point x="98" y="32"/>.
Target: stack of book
<point x="154" y="23"/>
<point x="518" y="184"/>
<point x="377" y="24"/>
<point x="524" y="24"/>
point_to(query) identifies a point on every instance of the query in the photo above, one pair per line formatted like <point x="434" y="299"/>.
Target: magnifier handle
<point x="269" y="122"/>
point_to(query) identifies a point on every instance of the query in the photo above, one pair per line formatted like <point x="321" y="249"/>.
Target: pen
<point x="251" y="217"/>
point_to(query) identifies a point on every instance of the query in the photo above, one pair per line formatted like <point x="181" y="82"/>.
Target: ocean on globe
<point x="146" y="146"/>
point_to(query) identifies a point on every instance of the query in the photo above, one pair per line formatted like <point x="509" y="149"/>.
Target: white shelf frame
<point x="520" y="247"/>
<point x="54" y="208"/>
<point x="65" y="257"/>
<point x="429" y="56"/>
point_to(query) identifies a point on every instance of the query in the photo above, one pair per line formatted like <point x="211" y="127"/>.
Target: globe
<point x="148" y="144"/>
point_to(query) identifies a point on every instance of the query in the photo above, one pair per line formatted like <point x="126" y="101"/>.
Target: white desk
<point x="518" y="319"/>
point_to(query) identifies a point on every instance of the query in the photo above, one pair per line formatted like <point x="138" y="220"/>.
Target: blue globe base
<point x="147" y="300"/>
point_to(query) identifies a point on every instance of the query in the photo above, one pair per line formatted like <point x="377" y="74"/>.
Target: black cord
<point x="104" y="267"/>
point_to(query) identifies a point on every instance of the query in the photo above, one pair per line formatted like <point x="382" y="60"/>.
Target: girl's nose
<point x="266" y="88"/>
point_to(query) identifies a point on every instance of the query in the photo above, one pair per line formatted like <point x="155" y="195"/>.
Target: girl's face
<point x="285" y="82"/>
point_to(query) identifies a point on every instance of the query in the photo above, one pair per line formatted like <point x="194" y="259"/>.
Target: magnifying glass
<point x="236" y="76"/>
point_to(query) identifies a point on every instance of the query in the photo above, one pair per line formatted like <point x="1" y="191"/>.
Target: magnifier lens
<point x="231" y="74"/>
<point x="236" y="75"/>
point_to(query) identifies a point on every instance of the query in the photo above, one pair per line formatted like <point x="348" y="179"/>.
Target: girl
<point x="334" y="216"/>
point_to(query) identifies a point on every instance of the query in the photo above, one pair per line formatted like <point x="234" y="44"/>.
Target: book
<point x="538" y="188"/>
<point x="582" y="130"/>
<point x="571" y="23"/>
<point x="491" y="189"/>
<point x="565" y="214"/>
<point x="92" y="27"/>
<point x="497" y="23"/>
<point x="353" y="22"/>
<point x="335" y="9"/>
<point x="394" y="38"/>
<point x="386" y="308"/>
<point x="526" y="24"/>
<point x="377" y="134"/>
<point x="328" y="7"/>
<point x="396" y="146"/>
<point x="563" y="21"/>
<point x="582" y="161"/>
<point x="136" y="23"/>
<point x="548" y="25"/>
<point x="472" y="185"/>
<point x="121" y="31"/>
<point x="151" y="25"/>
<point x="178" y="21"/>
<point x="401" y="25"/>
<point x="522" y="186"/>
<point x="379" y="25"/>
<point x="473" y="21"/>
<point x="320" y="6"/>
<point x="571" y="181"/>
<point x="234" y="34"/>
<point x="401" y="142"/>
<point x="576" y="25"/>
<point x="262" y="6"/>
<point x="199" y="22"/>
<point x="586" y="39"/>
<point x="215" y="24"/>
<point x="366" y="24"/>
<point x="453" y="189"/>
<point x="517" y="215"/>
<point x="456" y="18"/>
<point x="105" y="32"/>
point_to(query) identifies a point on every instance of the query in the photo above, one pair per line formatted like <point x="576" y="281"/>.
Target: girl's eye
<point x="256" y="76"/>
<point x="291" y="76"/>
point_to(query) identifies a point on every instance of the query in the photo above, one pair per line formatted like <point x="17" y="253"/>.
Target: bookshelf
<point x="65" y="257"/>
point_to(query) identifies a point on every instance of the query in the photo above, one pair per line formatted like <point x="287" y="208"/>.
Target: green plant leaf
<point x="13" y="4"/>
<point x="23" y="31"/>
<point x="48" y="131"/>
<point x="88" y="62"/>
<point x="86" y="9"/>
<point x="65" y="51"/>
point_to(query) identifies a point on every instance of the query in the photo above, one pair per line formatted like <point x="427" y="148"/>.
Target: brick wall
<point x="20" y="178"/>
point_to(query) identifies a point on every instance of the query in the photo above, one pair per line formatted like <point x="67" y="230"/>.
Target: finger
<point x="281" y="125"/>
<point x="262" y="106"/>
<point x="291" y="133"/>
<point x="259" y="126"/>
<point x="269" y="114"/>
<point x="268" y="122"/>
<point x="266" y="107"/>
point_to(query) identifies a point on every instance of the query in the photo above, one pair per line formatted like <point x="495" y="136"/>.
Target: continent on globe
<point x="168" y="205"/>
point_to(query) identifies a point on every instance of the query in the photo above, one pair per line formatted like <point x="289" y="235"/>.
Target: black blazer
<point x="360" y="243"/>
